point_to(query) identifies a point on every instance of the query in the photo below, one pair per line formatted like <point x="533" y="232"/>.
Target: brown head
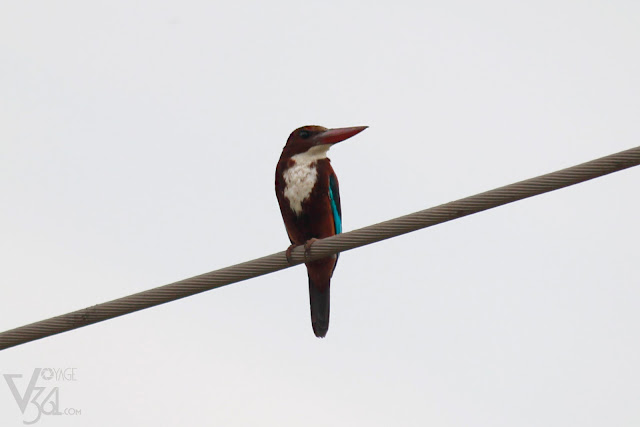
<point x="306" y="138"/>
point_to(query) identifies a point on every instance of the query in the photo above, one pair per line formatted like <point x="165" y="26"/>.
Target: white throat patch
<point x="302" y="176"/>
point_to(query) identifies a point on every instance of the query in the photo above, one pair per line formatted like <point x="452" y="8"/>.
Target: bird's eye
<point x="304" y="134"/>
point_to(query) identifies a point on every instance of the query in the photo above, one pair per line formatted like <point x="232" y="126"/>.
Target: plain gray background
<point x="138" y="143"/>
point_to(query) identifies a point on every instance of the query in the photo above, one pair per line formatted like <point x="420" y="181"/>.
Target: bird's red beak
<point x="333" y="136"/>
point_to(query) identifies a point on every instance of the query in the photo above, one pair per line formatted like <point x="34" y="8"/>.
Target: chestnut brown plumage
<point x="309" y="198"/>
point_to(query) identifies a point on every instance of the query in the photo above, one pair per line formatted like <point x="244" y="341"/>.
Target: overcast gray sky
<point x="138" y="144"/>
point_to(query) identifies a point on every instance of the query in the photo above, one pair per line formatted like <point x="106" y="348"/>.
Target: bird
<point x="309" y="199"/>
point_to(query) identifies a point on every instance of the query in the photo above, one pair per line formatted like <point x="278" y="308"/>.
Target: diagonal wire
<point x="322" y="248"/>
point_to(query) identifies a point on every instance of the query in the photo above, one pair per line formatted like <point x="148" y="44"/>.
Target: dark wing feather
<point x="334" y="195"/>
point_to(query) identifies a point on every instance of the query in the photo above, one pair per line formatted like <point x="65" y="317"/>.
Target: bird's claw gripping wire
<point x="288" y="254"/>
<point x="307" y="247"/>
<point x="307" y="250"/>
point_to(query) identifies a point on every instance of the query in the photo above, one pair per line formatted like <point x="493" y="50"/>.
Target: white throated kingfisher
<point x="309" y="199"/>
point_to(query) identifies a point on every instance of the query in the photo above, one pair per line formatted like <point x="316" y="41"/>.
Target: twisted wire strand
<point x="322" y="248"/>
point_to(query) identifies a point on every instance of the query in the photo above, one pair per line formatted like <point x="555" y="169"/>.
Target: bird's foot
<point x="288" y="254"/>
<point x="307" y="250"/>
<point x="307" y="247"/>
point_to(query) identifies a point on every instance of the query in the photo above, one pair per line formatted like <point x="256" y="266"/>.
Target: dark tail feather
<point x="319" y="309"/>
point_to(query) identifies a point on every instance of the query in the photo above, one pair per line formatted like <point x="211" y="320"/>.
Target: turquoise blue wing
<point x="334" y="196"/>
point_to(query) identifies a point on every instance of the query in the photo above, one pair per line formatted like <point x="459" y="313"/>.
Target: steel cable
<point x="322" y="248"/>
